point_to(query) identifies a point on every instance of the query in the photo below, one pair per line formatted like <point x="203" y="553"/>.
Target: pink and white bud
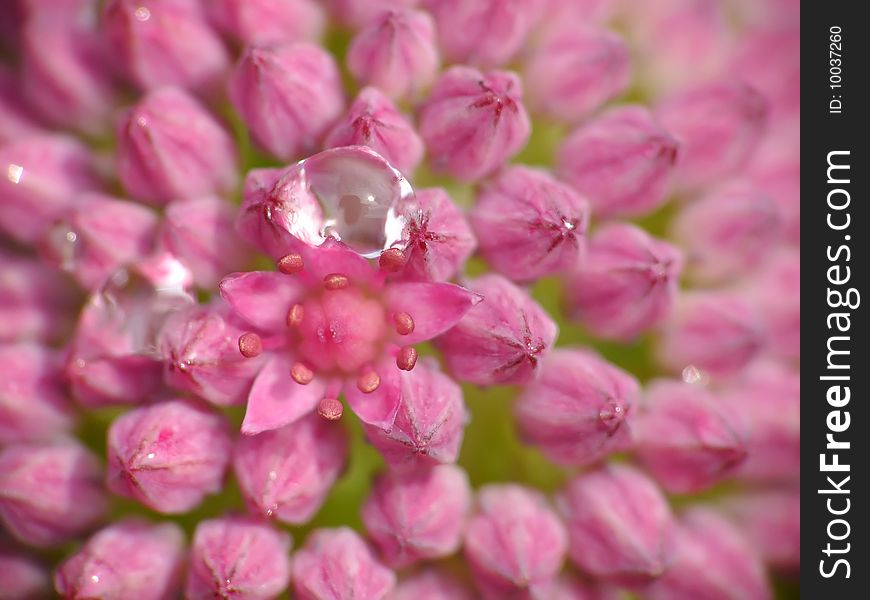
<point x="576" y="411"/>
<point x="22" y="578"/>
<point x="130" y="559"/>
<point x="622" y="162"/>
<point x="431" y="584"/>
<point x="164" y="42"/>
<point x="776" y="289"/>
<point x="396" y="53"/>
<point x="515" y="543"/>
<point x="718" y="126"/>
<point x="626" y="285"/>
<point x="501" y="340"/>
<point x="686" y="438"/>
<point x="619" y="524"/>
<point x="374" y="121"/>
<point x="574" y="72"/>
<point x="717" y="332"/>
<point x="771" y="521"/>
<point x="418" y="515"/>
<point x="50" y="493"/>
<point x="238" y="557"/>
<point x="267" y="22"/>
<point x="288" y="96"/>
<point x="530" y="225"/>
<point x="473" y="122"/>
<point x="712" y="560"/>
<point x="171" y="148"/>
<point x="169" y="456"/>
<point x="335" y="564"/>
<point x="287" y="473"/>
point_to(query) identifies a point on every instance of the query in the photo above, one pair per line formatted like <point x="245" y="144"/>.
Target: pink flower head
<point x="396" y="53"/>
<point x="288" y="96"/>
<point x="776" y="289"/>
<point x="619" y="524"/>
<point x="168" y="455"/>
<point x="576" y="411"/>
<point x="335" y="564"/>
<point x="238" y="557"/>
<point x="574" y="72"/>
<point x="473" y="122"/>
<point x="374" y="121"/>
<point x="626" y="285"/>
<point x="621" y="161"/>
<point x="130" y="559"/>
<point x="515" y="543"/>
<point x="418" y="515"/>
<point x="50" y="493"/>
<point x="711" y="560"/>
<point x="33" y="405"/>
<point x="717" y="125"/>
<point x="286" y="473"/>
<point x="154" y="156"/>
<point x="164" y="42"/>
<point x="266" y="22"/>
<point x="41" y="177"/>
<point x="21" y="577"/>
<point x="431" y="584"/>
<point x="530" y="225"/>
<point x="502" y="339"/>
<point x="487" y="33"/>
<point x="687" y="438"/>
<point x="771" y="521"/>
<point x="718" y="332"/>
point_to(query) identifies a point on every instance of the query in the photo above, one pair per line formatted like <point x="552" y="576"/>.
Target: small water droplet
<point x="142" y="13"/>
<point x="62" y="242"/>
<point x="692" y="374"/>
<point x="568" y="224"/>
<point x="14" y="173"/>
<point x="150" y="455"/>
<point x="95" y="578"/>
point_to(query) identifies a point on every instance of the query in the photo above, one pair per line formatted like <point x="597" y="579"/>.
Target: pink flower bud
<point x="488" y="33"/>
<point x="711" y="560"/>
<point x="266" y="22"/>
<point x="288" y="96"/>
<point x="500" y="340"/>
<point x="336" y="564"/>
<point x="619" y="524"/>
<point x="287" y="473"/>
<point x="22" y="578"/>
<point x="238" y="557"/>
<point x="687" y="438"/>
<point x="530" y="225"/>
<point x="170" y="147"/>
<point x="164" y="42"/>
<point x="473" y="122"/>
<point x="374" y="121"/>
<point x="622" y="162"/>
<point x="431" y="584"/>
<point x="50" y="493"/>
<point x="717" y="125"/>
<point x="17" y="121"/>
<point x="418" y="515"/>
<point x="771" y="521"/>
<point x="626" y="285"/>
<point x="576" y="411"/>
<point x="130" y="559"/>
<point x="515" y="543"/>
<point x="41" y="177"/>
<point x="777" y="292"/>
<point x="396" y="53"/>
<point x="429" y="422"/>
<point x="440" y="239"/>
<point x="573" y="73"/>
<point x="719" y="332"/>
<point x="169" y="455"/>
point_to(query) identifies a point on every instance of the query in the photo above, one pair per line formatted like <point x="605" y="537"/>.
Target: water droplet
<point x="568" y="224"/>
<point x="62" y="243"/>
<point x="693" y="374"/>
<point x="95" y="578"/>
<point x="150" y="455"/>
<point x="142" y="13"/>
<point x="14" y="172"/>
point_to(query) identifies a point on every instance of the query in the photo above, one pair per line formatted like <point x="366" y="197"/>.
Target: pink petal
<point x="435" y="307"/>
<point x="262" y="298"/>
<point x="277" y="400"/>
<point x="335" y="257"/>
<point x="378" y="408"/>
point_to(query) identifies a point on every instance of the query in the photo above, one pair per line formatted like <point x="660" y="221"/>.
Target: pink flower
<point x="336" y="564"/>
<point x="238" y="557"/>
<point x="169" y="456"/>
<point x="265" y="22"/>
<point x="431" y="584"/>
<point x="130" y="559"/>
<point x="286" y="473"/>
<point x="288" y="96"/>
<point x="473" y="122"/>
<point x="771" y="521"/>
<point x="626" y="285"/>
<point x="21" y="577"/>
<point x="395" y="53"/>
<point x="515" y="543"/>
<point x="418" y="515"/>
<point x="502" y="339"/>
<point x="576" y="411"/>
<point x="50" y="493"/>
<point x="621" y="161"/>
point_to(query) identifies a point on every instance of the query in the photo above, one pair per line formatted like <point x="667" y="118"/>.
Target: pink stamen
<point x="392" y="260"/>
<point x="406" y="358"/>
<point x="295" y="315"/>
<point x="368" y="382"/>
<point x="335" y="281"/>
<point x="301" y="374"/>
<point x="291" y="264"/>
<point x="250" y="345"/>
<point x="404" y="323"/>
<point x="330" y="409"/>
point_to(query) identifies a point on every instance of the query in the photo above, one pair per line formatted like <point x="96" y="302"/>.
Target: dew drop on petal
<point x="692" y="374"/>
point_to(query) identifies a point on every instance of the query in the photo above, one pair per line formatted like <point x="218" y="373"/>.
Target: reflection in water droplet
<point x="14" y="172"/>
<point x="63" y="245"/>
<point x="693" y="374"/>
<point x="142" y="13"/>
<point x="95" y="578"/>
<point x="150" y="455"/>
